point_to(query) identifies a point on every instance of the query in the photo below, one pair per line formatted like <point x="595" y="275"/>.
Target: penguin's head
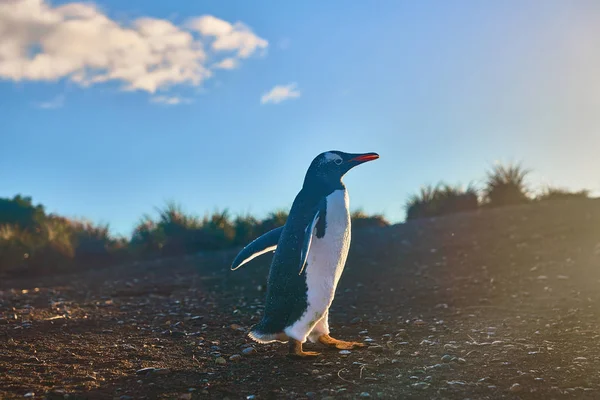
<point x="329" y="168"/>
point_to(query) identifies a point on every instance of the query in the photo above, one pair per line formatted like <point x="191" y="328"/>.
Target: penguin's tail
<point x="263" y="338"/>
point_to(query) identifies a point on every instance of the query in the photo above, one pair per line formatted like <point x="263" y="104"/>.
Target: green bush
<point x="45" y="249"/>
<point x="175" y="232"/>
<point x="422" y="204"/>
<point x="550" y="193"/>
<point x="171" y="234"/>
<point x="274" y="220"/>
<point x="217" y="231"/>
<point x="147" y="239"/>
<point x="443" y="199"/>
<point x="32" y="241"/>
<point x="246" y="229"/>
<point x="506" y="185"/>
<point x="360" y="220"/>
<point x="16" y="245"/>
<point x="455" y="199"/>
<point x="21" y="212"/>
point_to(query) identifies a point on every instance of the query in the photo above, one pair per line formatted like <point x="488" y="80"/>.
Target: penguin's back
<point x="286" y="298"/>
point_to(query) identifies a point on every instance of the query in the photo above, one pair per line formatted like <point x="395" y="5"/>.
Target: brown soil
<point x="498" y="304"/>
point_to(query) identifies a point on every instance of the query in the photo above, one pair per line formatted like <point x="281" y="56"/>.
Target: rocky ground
<point x="499" y="304"/>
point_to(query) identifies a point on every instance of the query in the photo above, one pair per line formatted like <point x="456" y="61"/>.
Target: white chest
<point x="327" y="255"/>
<point x="326" y="260"/>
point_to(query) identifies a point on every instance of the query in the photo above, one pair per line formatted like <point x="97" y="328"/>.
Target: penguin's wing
<point x="308" y="234"/>
<point x="259" y="246"/>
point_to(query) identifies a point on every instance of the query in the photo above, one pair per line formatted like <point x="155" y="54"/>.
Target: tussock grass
<point x="442" y="199"/>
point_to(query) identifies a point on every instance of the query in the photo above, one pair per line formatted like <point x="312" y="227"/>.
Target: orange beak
<point x="365" y="157"/>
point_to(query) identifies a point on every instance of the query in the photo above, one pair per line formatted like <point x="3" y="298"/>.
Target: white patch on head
<point x="326" y="260"/>
<point x="329" y="156"/>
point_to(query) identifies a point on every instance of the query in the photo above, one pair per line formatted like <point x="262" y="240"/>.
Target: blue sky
<point x="440" y="90"/>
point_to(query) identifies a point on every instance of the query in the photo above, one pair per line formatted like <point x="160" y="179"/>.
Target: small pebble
<point x="375" y="349"/>
<point x="345" y="352"/>
<point x="311" y="395"/>
<point x="29" y="394"/>
<point x="516" y="388"/>
<point x="365" y="394"/>
<point x="356" y="320"/>
<point x="420" y="385"/>
<point x="248" y="351"/>
<point x="446" y="358"/>
<point x="221" y="361"/>
<point x="235" y="357"/>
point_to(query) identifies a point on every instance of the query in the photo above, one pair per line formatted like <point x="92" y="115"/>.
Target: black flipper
<point x="308" y="233"/>
<point x="259" y="246"/>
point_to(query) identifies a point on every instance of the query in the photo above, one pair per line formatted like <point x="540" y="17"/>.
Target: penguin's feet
<point x="339" y="344"/>
<point x="296" y="352"/>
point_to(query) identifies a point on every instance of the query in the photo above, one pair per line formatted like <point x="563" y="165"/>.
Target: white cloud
<point x="56" y="102"/>
<point x="76" y="41"/>
<point x="280" y="93"/>
<point x="228" y="63"/>
<point x="227" y="37"/>
<point x="170" y="100"/>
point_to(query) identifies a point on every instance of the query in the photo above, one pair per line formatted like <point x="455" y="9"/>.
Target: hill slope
<point x="497" y="304"/>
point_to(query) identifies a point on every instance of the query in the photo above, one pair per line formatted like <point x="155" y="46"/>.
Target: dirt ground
<point x="501" y="304"/>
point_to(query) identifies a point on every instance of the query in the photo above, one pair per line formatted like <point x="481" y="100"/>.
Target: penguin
<point x="310" y="253"/>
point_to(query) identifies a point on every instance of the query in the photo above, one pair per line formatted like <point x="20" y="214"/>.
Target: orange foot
<point x="339" y="344"/>
<point x="296" y="352"/>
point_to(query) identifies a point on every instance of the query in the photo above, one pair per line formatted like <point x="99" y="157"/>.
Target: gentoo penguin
<point x="310" y="254"/>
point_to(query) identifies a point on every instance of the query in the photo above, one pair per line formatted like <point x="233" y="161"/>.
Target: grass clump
<point x="506" y="185"/>
<point x="553" y="193"/>
<point x="273" y="220"/>
<point x="33" y="241"/>
<point x="360" y="220"/>
<point x="443" y="199"/>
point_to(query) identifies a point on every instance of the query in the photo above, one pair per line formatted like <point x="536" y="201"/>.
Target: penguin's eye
<point x="337" y="161"/>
